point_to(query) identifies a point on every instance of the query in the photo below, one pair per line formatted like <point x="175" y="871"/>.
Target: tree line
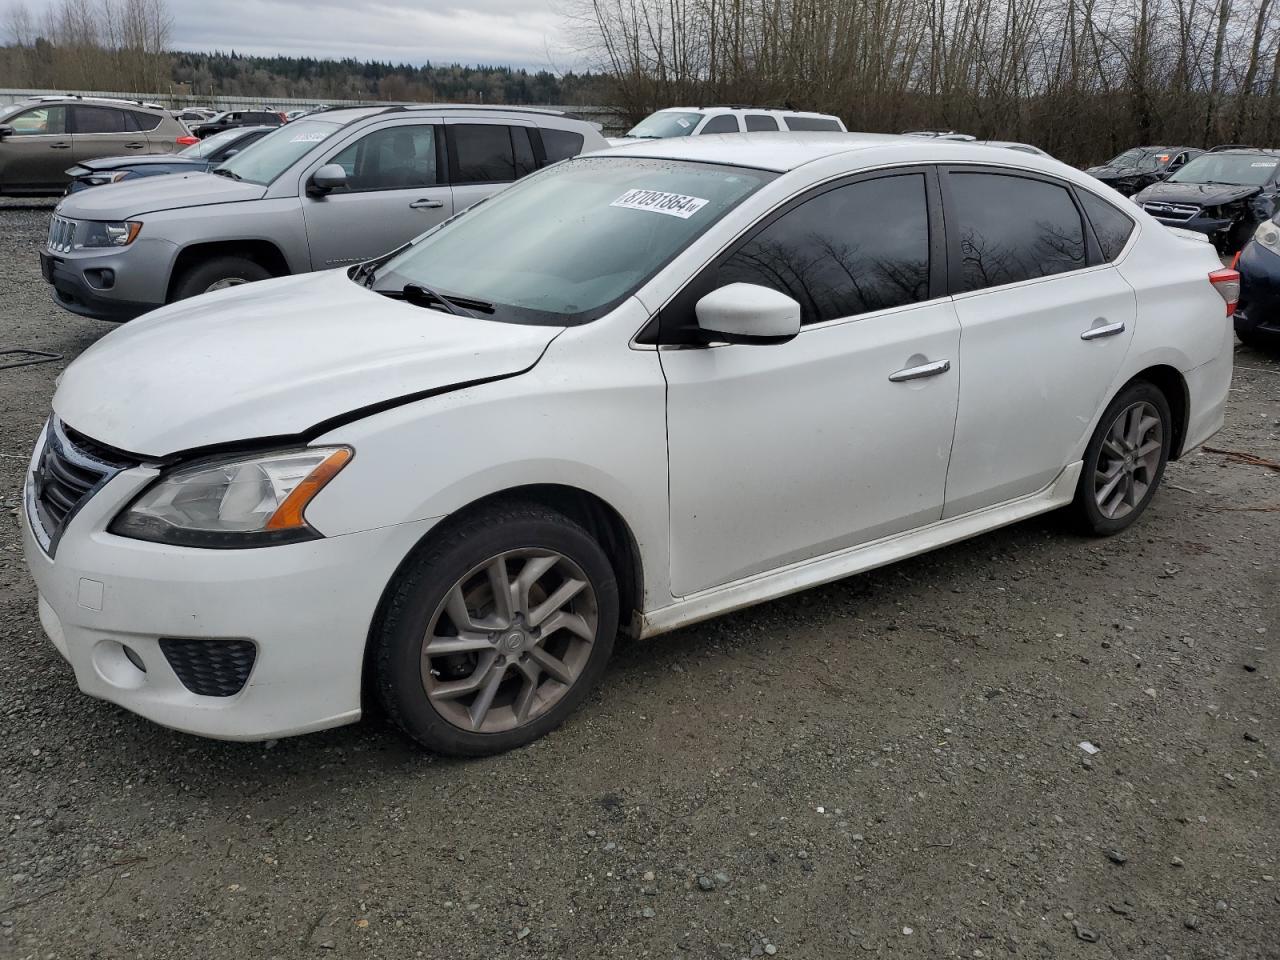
<point x="1082" y="79"/>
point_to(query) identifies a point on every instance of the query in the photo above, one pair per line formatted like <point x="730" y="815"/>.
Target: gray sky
<point x="522" y="33"/>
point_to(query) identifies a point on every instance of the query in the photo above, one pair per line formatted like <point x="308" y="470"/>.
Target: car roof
<point x="1248" y="151"/>
<point x="781" y="152"/>
<point x="77" y="98"/>
<point x="741" y="108"/>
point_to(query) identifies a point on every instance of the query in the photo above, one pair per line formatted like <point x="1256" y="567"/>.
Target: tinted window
<point x="851" y="250"/>
<point x="759" y="121"/>
<point x="1012" y="229"/>
<point x="483" y="153"/>
<point x="142" y="121"/>
<point x="523" y="149"/>
<point x="725" y="123"/>
<point x="811" y="123"/>
<point x="1110" y="226"/>
<point x="99" y="120"/>
<point x="394" y="158"/>
<point x="560" y="144"/>
<point x="263" y="117"/>
<point x="43" y="120"/>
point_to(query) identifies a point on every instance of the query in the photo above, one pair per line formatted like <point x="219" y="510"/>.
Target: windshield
<point x="1240" y="169"/>
<point x="563" y="247"/>
<point x="277" y="152"/>
<point x="665" y="123"/>
<point x="1142" y="159"/>
<point x="211" y="144"/>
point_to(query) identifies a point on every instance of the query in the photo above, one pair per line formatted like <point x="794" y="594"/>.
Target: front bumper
<point x="1258" y="312"/>
<point x="1213" y="227"/>
<point x="115" y="285"/>
<point x="307" y="608"/>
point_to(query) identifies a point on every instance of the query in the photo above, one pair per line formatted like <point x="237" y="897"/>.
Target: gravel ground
<point x="888" y="765"/>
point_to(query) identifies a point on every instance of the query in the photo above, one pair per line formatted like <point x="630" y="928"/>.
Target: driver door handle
<point x="59" y="146"/>
<point x="134" y="146"/>
<point x="1104" y="330"/>
<point x="919" y="373"/>
<point x="426" y="205"/>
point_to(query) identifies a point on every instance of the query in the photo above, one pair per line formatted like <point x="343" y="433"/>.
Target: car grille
<point x="210" y="668"/>
<point x="1171" y="211"/>
<point x="62" y="234"/>
<point x="68" y="471"/>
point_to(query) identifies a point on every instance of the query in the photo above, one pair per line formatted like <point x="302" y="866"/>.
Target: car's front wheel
<point x="496" y="630"/>
<point x="217" y="273"/>
<point x="1125" y="460"/>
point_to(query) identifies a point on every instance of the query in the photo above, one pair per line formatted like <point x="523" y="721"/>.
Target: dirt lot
<point x="887" y="766"/>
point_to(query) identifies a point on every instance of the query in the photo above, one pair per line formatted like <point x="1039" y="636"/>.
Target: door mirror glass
<point x="748" y="313"/>
<point x="329" y="177"/>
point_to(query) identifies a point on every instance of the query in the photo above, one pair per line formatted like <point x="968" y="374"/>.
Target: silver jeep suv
<point x="335" y="188"/>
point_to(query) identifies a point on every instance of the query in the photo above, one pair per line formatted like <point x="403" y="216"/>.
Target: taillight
<point x="1227" y="283"/>
<point x="187" y="141"/>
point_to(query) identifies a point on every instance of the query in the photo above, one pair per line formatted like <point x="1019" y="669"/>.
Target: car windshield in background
<point x="1241" y="169"/>
<point x="1135" y="158"/>
<point x="276" y="152"/>
<point x="665" y="125"/>
<point x="573" y="241"/>
<point x="210" y="144"/>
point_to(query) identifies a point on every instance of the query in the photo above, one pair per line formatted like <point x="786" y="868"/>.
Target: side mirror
<point x="6" y="130"/>
<point x="748" y="313"/>
<point x="329" y="177"/>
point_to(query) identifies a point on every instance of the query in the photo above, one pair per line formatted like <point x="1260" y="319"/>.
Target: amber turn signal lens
<point x="289" y="514"/>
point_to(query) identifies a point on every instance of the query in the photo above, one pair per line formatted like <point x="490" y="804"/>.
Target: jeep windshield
<point x="565" y="246"/>
<point x="1234" y="169"/>
<point x="276" y="152"/>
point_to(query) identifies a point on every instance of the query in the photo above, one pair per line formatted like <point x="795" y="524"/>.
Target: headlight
<point x="251" y="501"/>
<point x="114" y="233"/>
<point x="1268" y="235"/>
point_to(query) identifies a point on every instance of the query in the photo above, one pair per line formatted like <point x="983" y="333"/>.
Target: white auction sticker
<point x="656" y="201"/>
<point x="312" y="137"/>
<point x="1271" y="163"/>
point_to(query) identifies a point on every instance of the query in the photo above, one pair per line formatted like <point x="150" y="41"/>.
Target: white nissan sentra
<point x="635" y="390"/>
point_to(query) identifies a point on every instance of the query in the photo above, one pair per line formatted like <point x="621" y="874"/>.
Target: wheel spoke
<point x="533" y="570"/>
<point x="1112" y="448"/>
<point x="1130" y="489"/>
<point x="480" y="706"/>
<point x="552" y="665"/>
<point x="1133" y="429"/>
<point x="463" y="643"/>
<point x="528" y="694"/>
<point x="1148" y="448"/>
<point x="564" y="593"/>
<point x="453" y="689"/>
<point x="503" y="599"/>
<point x="574" y="623"/>
<point x="1115" y="480"/>
<point x="458" y="612"/>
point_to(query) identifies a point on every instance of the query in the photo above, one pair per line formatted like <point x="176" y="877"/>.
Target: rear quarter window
<point x="1110" y="226"/>
<point x="561" y="144"/>
<point x="811" y="123"/>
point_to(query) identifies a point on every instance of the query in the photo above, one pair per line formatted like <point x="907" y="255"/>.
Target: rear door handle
<point x="1105" y="330"/>
<point x="134" y="146"/>
<point x="59" y="146"/>
<point x="932" y="369"/>
<point x="426" y="205"/>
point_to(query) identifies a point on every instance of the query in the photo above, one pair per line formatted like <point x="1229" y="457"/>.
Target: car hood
<point x="1203" y="194"/>
<point x="275" y="359"/>
<point x="115" y="163"/>
<point x="131" y="198"/>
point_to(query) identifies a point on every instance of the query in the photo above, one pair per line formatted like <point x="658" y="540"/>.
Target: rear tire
<point x="504" y="672"/>
<point x="216" y="273"/>
<point x="1124" y="461"/>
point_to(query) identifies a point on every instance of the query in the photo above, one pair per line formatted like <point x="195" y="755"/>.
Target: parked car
<point x="193" y="115"/>
<point x="1140" y="167"/>
<point x="329" y="190"/>
<point x="939" y="134"/>
<point x="1014" y="145"/>
<point x="692" y="121"/>
<point x="40" y="138"/>
<point x="1223" y="194"/>
<point x="237" y="118"/>
<point x="292" y="115"/>
<point x="1257" y="318"/>
<point x="199" y="157"/>
<point x="634" y="391"/>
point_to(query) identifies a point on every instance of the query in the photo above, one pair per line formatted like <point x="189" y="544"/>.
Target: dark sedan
<point x="237" y="118"/>
<point x="197" y="158"/>
<point x="1140" y="167"/>
<point x="1224" y="194"/>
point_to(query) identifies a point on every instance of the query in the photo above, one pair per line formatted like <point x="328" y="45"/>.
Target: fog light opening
<point x="132" y="656"/>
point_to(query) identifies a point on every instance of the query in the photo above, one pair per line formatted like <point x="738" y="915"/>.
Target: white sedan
<point x="635" y="390"/>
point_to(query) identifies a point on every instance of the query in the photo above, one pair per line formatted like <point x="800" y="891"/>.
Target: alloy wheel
<point x="508" y="640"/>
<point x="1129" y="460"/>
<point x="224" y="283"/>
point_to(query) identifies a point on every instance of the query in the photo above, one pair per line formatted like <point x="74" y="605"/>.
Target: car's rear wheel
<point x="496" y="630"/>
<point x="1125" y="460"/>
<point x="217" y="273"/>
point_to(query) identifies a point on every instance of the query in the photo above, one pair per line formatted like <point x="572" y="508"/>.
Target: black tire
<point x="1088" y="515"/>
<point x="197" y="279"/>
<point x="420" y="590"/>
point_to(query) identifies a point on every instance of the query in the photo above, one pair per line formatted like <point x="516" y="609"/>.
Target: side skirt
<point x="878" y="553"/>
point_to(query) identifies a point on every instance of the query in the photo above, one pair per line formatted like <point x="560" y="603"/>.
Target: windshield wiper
<point x="224" y="172"/>
<point x="421" y="295"/>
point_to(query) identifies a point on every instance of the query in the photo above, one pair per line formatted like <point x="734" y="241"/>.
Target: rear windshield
<point x="1235" y="169"/>
<point x="665" y="123"/>
<point x="277" y="152"/>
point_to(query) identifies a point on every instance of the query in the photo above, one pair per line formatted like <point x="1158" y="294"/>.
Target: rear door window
<point x="724" y="123"/>
<point x="1010" y="228"/>
<point x="760" y="122"/>
<point x="811" y="123"/>
<point x="522" y="148"/>
<point x="99" y="120"/>
<point x="481" y="153"/>
<point x="1110" y="226"/>
<point x="560" y="144"/>
<point x="847" y="251"/>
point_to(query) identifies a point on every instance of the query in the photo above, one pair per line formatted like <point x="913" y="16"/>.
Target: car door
<point x="394" y="192"/>
<point x="1046" y="324"/>
<point x="38" y="152"/>
<point x="104" y="132"/>
<point x="840" y="436"/>
<point x="485" y="156"/>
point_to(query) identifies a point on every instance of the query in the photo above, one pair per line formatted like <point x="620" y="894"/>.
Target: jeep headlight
<point x="249" y="501"/>
<point x="107" y="233"/>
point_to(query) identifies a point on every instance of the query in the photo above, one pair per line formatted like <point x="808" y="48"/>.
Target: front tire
<point x="1125" y="460"/>
<point x="495" y="631"/>
<point x="217" y="273"/>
